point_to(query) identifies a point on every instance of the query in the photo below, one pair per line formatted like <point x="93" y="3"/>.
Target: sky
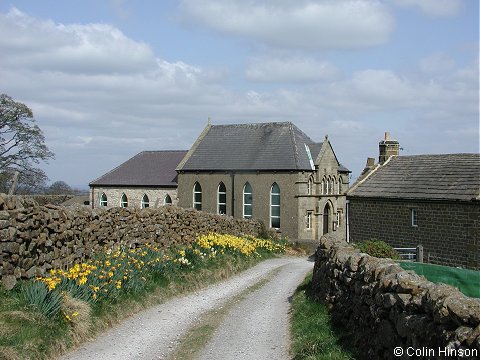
<point x="107" y="79"/>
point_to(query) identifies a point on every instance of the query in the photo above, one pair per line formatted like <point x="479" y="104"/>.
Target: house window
<point x="167" y="200"/>
<point x="197" y="196"/>
<point x="275" y="206"/>
<point x="308" y="220"/>
<point x="103" y="200"/>
<point x="247" y="201"/>
<point x="145" y="201"/>
<point x="124" y="201"/>
<point x="414" y="217"/>
<point x="221" y="199"/>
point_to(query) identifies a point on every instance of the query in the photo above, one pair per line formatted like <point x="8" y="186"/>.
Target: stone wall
<point x="448" y="231"/>
<point x="35" y="238"/>
<point x="384" y="307"/>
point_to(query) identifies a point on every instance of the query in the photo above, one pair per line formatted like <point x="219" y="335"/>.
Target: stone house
<point x="268" y="171"/>
<point x="429" y="200"/>
<point x="148" y="179"/>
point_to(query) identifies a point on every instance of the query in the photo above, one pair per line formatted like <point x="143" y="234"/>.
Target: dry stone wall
<point x="384" y="307"/>
<point x="36" y="238"/>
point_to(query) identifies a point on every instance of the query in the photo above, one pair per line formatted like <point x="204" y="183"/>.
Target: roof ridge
<point x="256" y="124"/>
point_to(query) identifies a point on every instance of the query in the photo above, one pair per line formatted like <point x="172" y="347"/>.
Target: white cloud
<point x="290" y="70"/>
<point x="297" y="24"/>
<point x="88" y="49"/>
<point x="433" y="8"/>
<point x="437" y="63"/>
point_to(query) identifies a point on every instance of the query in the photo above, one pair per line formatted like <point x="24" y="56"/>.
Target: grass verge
<point x="98" y="294"/>
<point x="313" y="335"/>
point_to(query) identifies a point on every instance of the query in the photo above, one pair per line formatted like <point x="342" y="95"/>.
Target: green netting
<point x="467" y="281"/>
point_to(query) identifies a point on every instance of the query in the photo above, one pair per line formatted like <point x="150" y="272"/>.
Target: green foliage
<point x="36" y="296"/>
<point x="377" y="248"/>
<point x="313" y="336"/>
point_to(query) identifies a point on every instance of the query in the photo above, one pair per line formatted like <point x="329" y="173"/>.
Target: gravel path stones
<point x="256" y="328"/>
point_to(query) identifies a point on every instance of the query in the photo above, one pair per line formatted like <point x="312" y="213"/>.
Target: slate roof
<point x="432" y="177"/>
<point x="262" y="146"/>
<point x="148" y="168"/>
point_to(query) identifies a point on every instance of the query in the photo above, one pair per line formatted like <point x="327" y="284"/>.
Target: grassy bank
<point x="313" y="335"/>
<point x="43" y="318"/>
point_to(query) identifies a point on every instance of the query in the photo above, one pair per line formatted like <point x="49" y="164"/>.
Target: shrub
<point x="377" y="248"/>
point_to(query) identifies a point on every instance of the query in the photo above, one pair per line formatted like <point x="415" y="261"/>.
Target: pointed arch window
<point x="197" y="196"/>
<point x="275" y="206"/>
<point x="247" y="201"/>
<point x="167" y="200"/>
<point x="221" y="199"/>
<point x="124" y="201"/>
<point x="103" y="200"/>
<point x="310" y="186"/>
<point x="145" y="201"/>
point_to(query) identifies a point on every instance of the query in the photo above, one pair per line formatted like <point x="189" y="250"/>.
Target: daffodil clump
<point x="128" y="270"/>
<point x="248" y="246"/>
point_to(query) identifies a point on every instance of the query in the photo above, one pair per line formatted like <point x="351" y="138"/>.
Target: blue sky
<point x="108" y="79"/>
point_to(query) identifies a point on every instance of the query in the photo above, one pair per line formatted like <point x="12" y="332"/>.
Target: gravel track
<point x="256" y="328"/>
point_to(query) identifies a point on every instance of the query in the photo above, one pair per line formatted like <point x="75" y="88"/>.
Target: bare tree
<point x="22" y="146"/>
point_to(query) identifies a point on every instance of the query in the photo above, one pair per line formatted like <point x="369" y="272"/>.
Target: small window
<point x="197" y="196"/>
<point x="322" y="187"/>
<point x="339" y="185"/>
<point x="308" y="220"/>
<point x="221" y="199"/>
<point x="103" y="200"/>
<point x="275" y="206"/>
<point x="145" y="202"/>
<point x="167" y="200"/>
<point x="247" y="201"/>
<point x="331" y="184"/>
<point x="414" y="217"/>
<point x="124" y="201"/>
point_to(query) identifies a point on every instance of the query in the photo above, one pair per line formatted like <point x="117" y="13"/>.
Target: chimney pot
<point x="387" y="135"/>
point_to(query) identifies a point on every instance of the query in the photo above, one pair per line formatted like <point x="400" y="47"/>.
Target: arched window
<point x="124" y="201"/>
<point x="247" y="201"/>
<point x="339" y="189"/>
<point x="145" y="202"/>
<point x="197" y="196"/>
<point x="275" y="206"/>
<point x="221" y="199"/>
<point x="103" y="200"/>
<point x="168" y="200"/>
<point x="332" y="185"/>
<point x="327" y="186"/>
<point x="310" y="186"/>
<point x="322" y="189"/>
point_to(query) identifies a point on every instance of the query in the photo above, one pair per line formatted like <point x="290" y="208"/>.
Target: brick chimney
<point x="387" y="147"/>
